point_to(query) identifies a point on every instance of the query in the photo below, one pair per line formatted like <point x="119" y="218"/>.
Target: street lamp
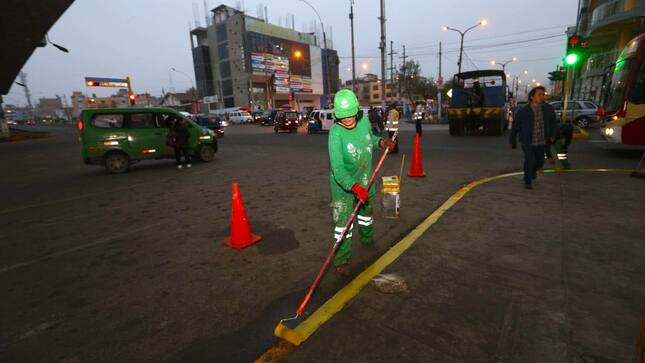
<point x="191" y="81"/>
<point x="462" y="34"/>
<point x="503" y="64"/>
<point x="326" y="91"/>
<point x="59" y="47"/>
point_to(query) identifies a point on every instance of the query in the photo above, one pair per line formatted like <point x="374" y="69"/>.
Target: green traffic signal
<point x="571" y="59"/>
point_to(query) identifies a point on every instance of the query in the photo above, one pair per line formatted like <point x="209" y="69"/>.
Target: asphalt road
<point x="98" y="267"/>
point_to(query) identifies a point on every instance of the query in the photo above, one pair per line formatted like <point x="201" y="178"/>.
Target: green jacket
<point x="350" y="157"/>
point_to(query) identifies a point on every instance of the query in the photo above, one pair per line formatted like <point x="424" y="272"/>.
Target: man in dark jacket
<point x="182" y="142"/>
<point x="536" y="126"/>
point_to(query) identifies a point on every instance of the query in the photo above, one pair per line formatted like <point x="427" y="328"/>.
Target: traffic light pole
<point x="567" y="90"/>
<point x="130" y="93"/>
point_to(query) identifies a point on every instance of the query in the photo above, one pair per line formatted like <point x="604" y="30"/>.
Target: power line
<point x="480" y="47"/>
<point x="503" y="35"/>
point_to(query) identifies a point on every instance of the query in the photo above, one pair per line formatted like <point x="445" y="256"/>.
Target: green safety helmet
<point x="345" y="104"/>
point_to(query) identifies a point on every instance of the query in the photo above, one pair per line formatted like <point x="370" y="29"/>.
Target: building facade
<point x="50" y="108"/>
<point x="241" y="60"/>
<point x="369" y="93"/>
<point x="607" y="26"/>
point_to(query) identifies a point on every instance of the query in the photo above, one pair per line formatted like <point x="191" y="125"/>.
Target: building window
<point x="221" y="32"/>
<point x="227" y="87"/>
<point x="222" y="51"/>
<point x="375" y="87"/>
<point x="225" y="69"/>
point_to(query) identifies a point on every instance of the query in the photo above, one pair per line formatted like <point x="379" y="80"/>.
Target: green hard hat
<point x="345" y="104"/>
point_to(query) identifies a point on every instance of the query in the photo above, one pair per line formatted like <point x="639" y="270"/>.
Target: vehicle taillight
<point x="80" y="126"/>
<point x="600" y="112"/>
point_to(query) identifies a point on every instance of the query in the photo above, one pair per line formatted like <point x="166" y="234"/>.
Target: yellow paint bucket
<point x="391" y="201"/>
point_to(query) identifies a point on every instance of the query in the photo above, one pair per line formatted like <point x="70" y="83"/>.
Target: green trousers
<point x="342" y="206"/>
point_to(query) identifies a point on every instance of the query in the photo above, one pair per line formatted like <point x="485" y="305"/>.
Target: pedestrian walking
<point x="350" y="145"/>
<point x="535" y="125"/>
<point x="179" y="139"/>
<point x="392" y="124"/>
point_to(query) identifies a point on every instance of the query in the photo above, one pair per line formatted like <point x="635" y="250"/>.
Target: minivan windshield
<point x="291" y="115"/>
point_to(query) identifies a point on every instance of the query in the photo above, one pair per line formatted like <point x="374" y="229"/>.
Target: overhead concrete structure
<point x="23" y="25"/>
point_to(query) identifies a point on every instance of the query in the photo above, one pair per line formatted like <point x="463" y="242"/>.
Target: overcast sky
<point x="145" y="38"/>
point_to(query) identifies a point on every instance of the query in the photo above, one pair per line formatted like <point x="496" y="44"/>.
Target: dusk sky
<point x="145" y="38"/>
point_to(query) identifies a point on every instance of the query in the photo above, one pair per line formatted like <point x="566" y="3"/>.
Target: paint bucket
<point x="391" y="201"/>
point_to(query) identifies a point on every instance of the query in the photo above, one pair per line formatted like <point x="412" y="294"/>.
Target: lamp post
<point x="503" y="64"/>
<point x="462" y="34"/>
<point x="325" y="65"/>
<point x="351" y="21"/>
<point x="191" y="81"/>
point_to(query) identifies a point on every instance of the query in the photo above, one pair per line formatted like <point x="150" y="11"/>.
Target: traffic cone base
<point x="416" y="166"/>
<point x="254" y="238"/>
<point x="241" y="236"/>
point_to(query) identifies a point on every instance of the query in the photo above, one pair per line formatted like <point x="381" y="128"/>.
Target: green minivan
<point x="119" y="137"/>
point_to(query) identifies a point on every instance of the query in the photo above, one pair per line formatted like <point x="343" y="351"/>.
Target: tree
<point x="412" y="84"/>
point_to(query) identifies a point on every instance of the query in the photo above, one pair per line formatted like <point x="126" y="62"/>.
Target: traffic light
<point x="575" y="50"/>
<point x="132" y="98"/>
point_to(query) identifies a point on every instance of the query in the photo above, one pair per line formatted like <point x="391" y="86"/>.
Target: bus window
<point x="638" y="87"/>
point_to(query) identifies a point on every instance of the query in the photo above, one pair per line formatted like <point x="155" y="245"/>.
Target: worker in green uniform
<point x="350" y="143"/>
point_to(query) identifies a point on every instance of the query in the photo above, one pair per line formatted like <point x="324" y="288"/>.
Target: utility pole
<point x="351" y="21"/>
<point x="391" y="54"/>
<point x="440" y="87"/>
<point x="23" y="80"/>
<point x="382" y="46"/>
<point x="405" y="76"/>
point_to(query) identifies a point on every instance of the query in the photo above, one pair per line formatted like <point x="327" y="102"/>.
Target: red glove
<point x="360" y="192"/>
<point x="383" y="144"/>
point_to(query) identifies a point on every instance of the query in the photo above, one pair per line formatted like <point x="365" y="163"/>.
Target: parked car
<point x="268" y="118"/>
<point x="119" y="137"/>
<point x="583" y="113"/>
<point x="320" y="121"/>
<point x="240" y="117"/>
<point x="286" y="121"/>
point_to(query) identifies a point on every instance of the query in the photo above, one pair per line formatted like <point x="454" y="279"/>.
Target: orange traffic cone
<point x="416" y="166"/>
<point x="241" y="236"/>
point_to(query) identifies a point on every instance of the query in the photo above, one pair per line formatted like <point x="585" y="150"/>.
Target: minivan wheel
<point x="206" y="153"/>
<point x="117" y="163"/>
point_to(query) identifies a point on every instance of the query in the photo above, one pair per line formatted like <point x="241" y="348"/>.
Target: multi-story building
<point x="50" y="107"/>
<point x="118" y="100"/>
<point x="241" y="60"/>
<point x="607" y="26"/>
<point x="15" y="113"/>
<point x="78" y="99"/>
<point x="369" y="93"/>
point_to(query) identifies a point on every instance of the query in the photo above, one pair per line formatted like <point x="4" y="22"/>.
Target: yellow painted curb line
<point x="344" y="295"/>
<point x="580" y="134"/>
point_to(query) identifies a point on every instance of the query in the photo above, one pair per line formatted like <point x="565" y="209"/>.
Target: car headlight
<point x="609" y="131"/>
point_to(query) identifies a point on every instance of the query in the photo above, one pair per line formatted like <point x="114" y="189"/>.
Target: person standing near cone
<point x="392" y="124"/>
<point x="350" y="144"/>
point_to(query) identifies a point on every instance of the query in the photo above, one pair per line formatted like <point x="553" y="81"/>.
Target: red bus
<point x="623" y="113"/>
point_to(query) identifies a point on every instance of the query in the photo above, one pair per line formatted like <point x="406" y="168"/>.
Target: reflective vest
<point x="392" y="120"/>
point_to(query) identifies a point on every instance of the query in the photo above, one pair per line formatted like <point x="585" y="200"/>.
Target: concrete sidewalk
<point x="554" y="274"/>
